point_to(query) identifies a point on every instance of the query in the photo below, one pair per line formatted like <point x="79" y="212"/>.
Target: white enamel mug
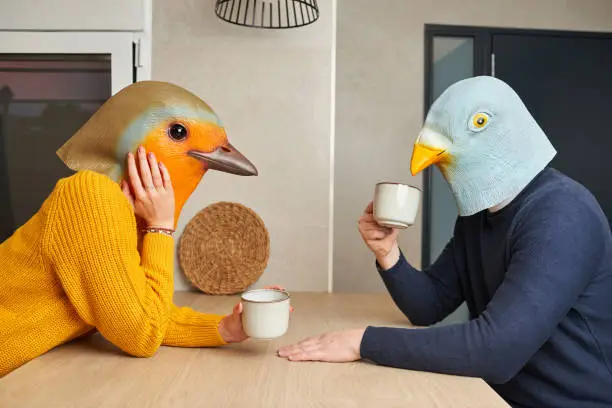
<point x="265" y="313"/>
<point x="396" y="205"/>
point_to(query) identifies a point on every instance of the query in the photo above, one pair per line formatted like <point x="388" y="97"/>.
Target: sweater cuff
<point x="195" y="330"/>
<point x="399" y="265"/>
<point x="371" y="342"/>
<point x="210" y="336"/>
<point x="158" y="252"/>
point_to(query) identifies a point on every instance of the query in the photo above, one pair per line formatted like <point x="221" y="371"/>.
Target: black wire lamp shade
<point x="268" y="13"/>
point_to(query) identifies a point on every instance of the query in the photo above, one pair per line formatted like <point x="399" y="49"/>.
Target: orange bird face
<point x="181" y="129"/>
<point x="191" y="147"/>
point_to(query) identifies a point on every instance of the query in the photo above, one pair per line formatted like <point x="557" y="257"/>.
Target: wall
<point x="126" y="15"/>
<point x="272" y="90"/>
<point x="379" y="105"/>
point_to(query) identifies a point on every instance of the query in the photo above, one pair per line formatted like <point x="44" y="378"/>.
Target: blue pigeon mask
<point x="484" y="141"/>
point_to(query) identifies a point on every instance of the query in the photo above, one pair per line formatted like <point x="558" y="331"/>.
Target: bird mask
<point x="484" y="141"/>
<point x="178" y="127"/>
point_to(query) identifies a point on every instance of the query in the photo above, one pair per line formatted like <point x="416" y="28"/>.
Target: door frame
<point x="130" y="61"/>
<point x="484" y="64"/>
<point x="120" y="46"/>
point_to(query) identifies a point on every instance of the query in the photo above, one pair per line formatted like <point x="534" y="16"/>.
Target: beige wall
<point x="379" y="99"/>
<point x="63" y="15"/>
<point x="272" y="90"/>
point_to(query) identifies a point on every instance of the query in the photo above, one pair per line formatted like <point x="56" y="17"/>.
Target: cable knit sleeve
<point x="91" y="238"/>
<point x="188" y="328"/>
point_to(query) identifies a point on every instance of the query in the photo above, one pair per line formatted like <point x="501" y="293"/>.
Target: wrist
<point x="390" y="259"/>
<point x="159" y="230"/>
<point x="224" y="332"/>
<point x="359" y="333"/>
<point x="167" y="225"/>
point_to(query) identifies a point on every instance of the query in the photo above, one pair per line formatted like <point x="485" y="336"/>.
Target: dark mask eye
<point x="177" y="132"/>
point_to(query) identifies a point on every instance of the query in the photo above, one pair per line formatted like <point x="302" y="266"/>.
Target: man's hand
<point x="382" y="241"/>
<point x="338" y="347"/>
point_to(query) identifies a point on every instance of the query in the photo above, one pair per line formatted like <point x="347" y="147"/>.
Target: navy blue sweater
<point x="537" y="279"/>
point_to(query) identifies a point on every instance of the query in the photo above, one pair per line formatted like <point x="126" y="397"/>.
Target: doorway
<point x="50" y="85"/>
<point x="564" y="80"/>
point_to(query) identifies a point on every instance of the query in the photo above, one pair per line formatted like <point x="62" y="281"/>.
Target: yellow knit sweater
<point x="75" y="267"/>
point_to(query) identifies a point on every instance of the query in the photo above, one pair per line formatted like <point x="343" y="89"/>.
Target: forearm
<point x="126" y="301"/>
<point x="469" y="349"/>
<point x="414" y="292"/>
<point x="136" y="320"/>
<point x="188" y="328"/>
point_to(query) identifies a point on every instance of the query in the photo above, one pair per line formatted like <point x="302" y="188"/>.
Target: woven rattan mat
<point x="224" y="249"/>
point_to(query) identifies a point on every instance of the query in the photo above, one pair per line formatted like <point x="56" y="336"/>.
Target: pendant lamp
<point x="268" y="13"/>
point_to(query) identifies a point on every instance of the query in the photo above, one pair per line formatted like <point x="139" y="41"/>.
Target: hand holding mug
<point x="232" y="328"/>
<point x="381" y="240"/>
<point x="395" y="207"/>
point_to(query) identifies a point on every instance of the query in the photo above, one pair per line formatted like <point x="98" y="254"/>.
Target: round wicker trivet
<point x="224" y="249"/>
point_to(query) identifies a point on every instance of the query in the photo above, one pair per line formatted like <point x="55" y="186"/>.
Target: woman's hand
<point x="150" y="190"/>
<point x="382" y="241"/>
<point x="230" y="328"/>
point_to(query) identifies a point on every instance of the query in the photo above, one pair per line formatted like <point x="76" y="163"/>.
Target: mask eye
<point x="479" y="121"/>
<point x="177" y="132"/>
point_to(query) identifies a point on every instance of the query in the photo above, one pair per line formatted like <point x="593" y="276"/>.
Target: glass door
<point x="451" y="55"/>
<point x="50" y="84"/>
<point x="452" y="60"/>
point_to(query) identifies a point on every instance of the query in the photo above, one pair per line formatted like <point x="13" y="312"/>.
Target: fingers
<point x="374" y="231"/>
<point x="375" y="235"/>
<point x="237" y="309"/>
<point x="304" y="351"/>
<point x="290" y="350"/>
<point x="312" y="355"/>
<point x="370" y="208"/>
<point x="394" y="234"/>
<point x="156" y="176"/>
<point x="125" y="188"/>
<point x="134" y="176"/>
<point x="368" y="221"/>
<point x="304" y="345"/>
<point x="145" y="171"/>
<point x="165" y="176"/>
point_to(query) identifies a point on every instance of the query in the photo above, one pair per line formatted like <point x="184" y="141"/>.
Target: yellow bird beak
<point x="430" y="148"/>
<point x="424" y="156"/>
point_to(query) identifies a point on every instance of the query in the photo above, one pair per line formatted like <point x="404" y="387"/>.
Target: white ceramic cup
<point x="265" y="313"/>
<point x="396" y="205"/>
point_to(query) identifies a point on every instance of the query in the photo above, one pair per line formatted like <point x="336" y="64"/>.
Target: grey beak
<point x="226" y="159"/>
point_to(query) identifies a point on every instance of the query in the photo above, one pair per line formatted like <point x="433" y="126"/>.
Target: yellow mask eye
<point x="479" y="121"/>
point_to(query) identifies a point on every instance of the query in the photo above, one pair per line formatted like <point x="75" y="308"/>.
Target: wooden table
<point x="92" y="373"/>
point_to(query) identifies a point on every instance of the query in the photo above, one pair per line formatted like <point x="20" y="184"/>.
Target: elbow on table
<point x="498" y="373"/>
<point x="143" y="341"/>
<point x="145" y="348"/>
<point x="143" y="352"/>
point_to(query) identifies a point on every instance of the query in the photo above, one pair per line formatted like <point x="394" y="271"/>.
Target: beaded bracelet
<point x="166" y="231"/>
